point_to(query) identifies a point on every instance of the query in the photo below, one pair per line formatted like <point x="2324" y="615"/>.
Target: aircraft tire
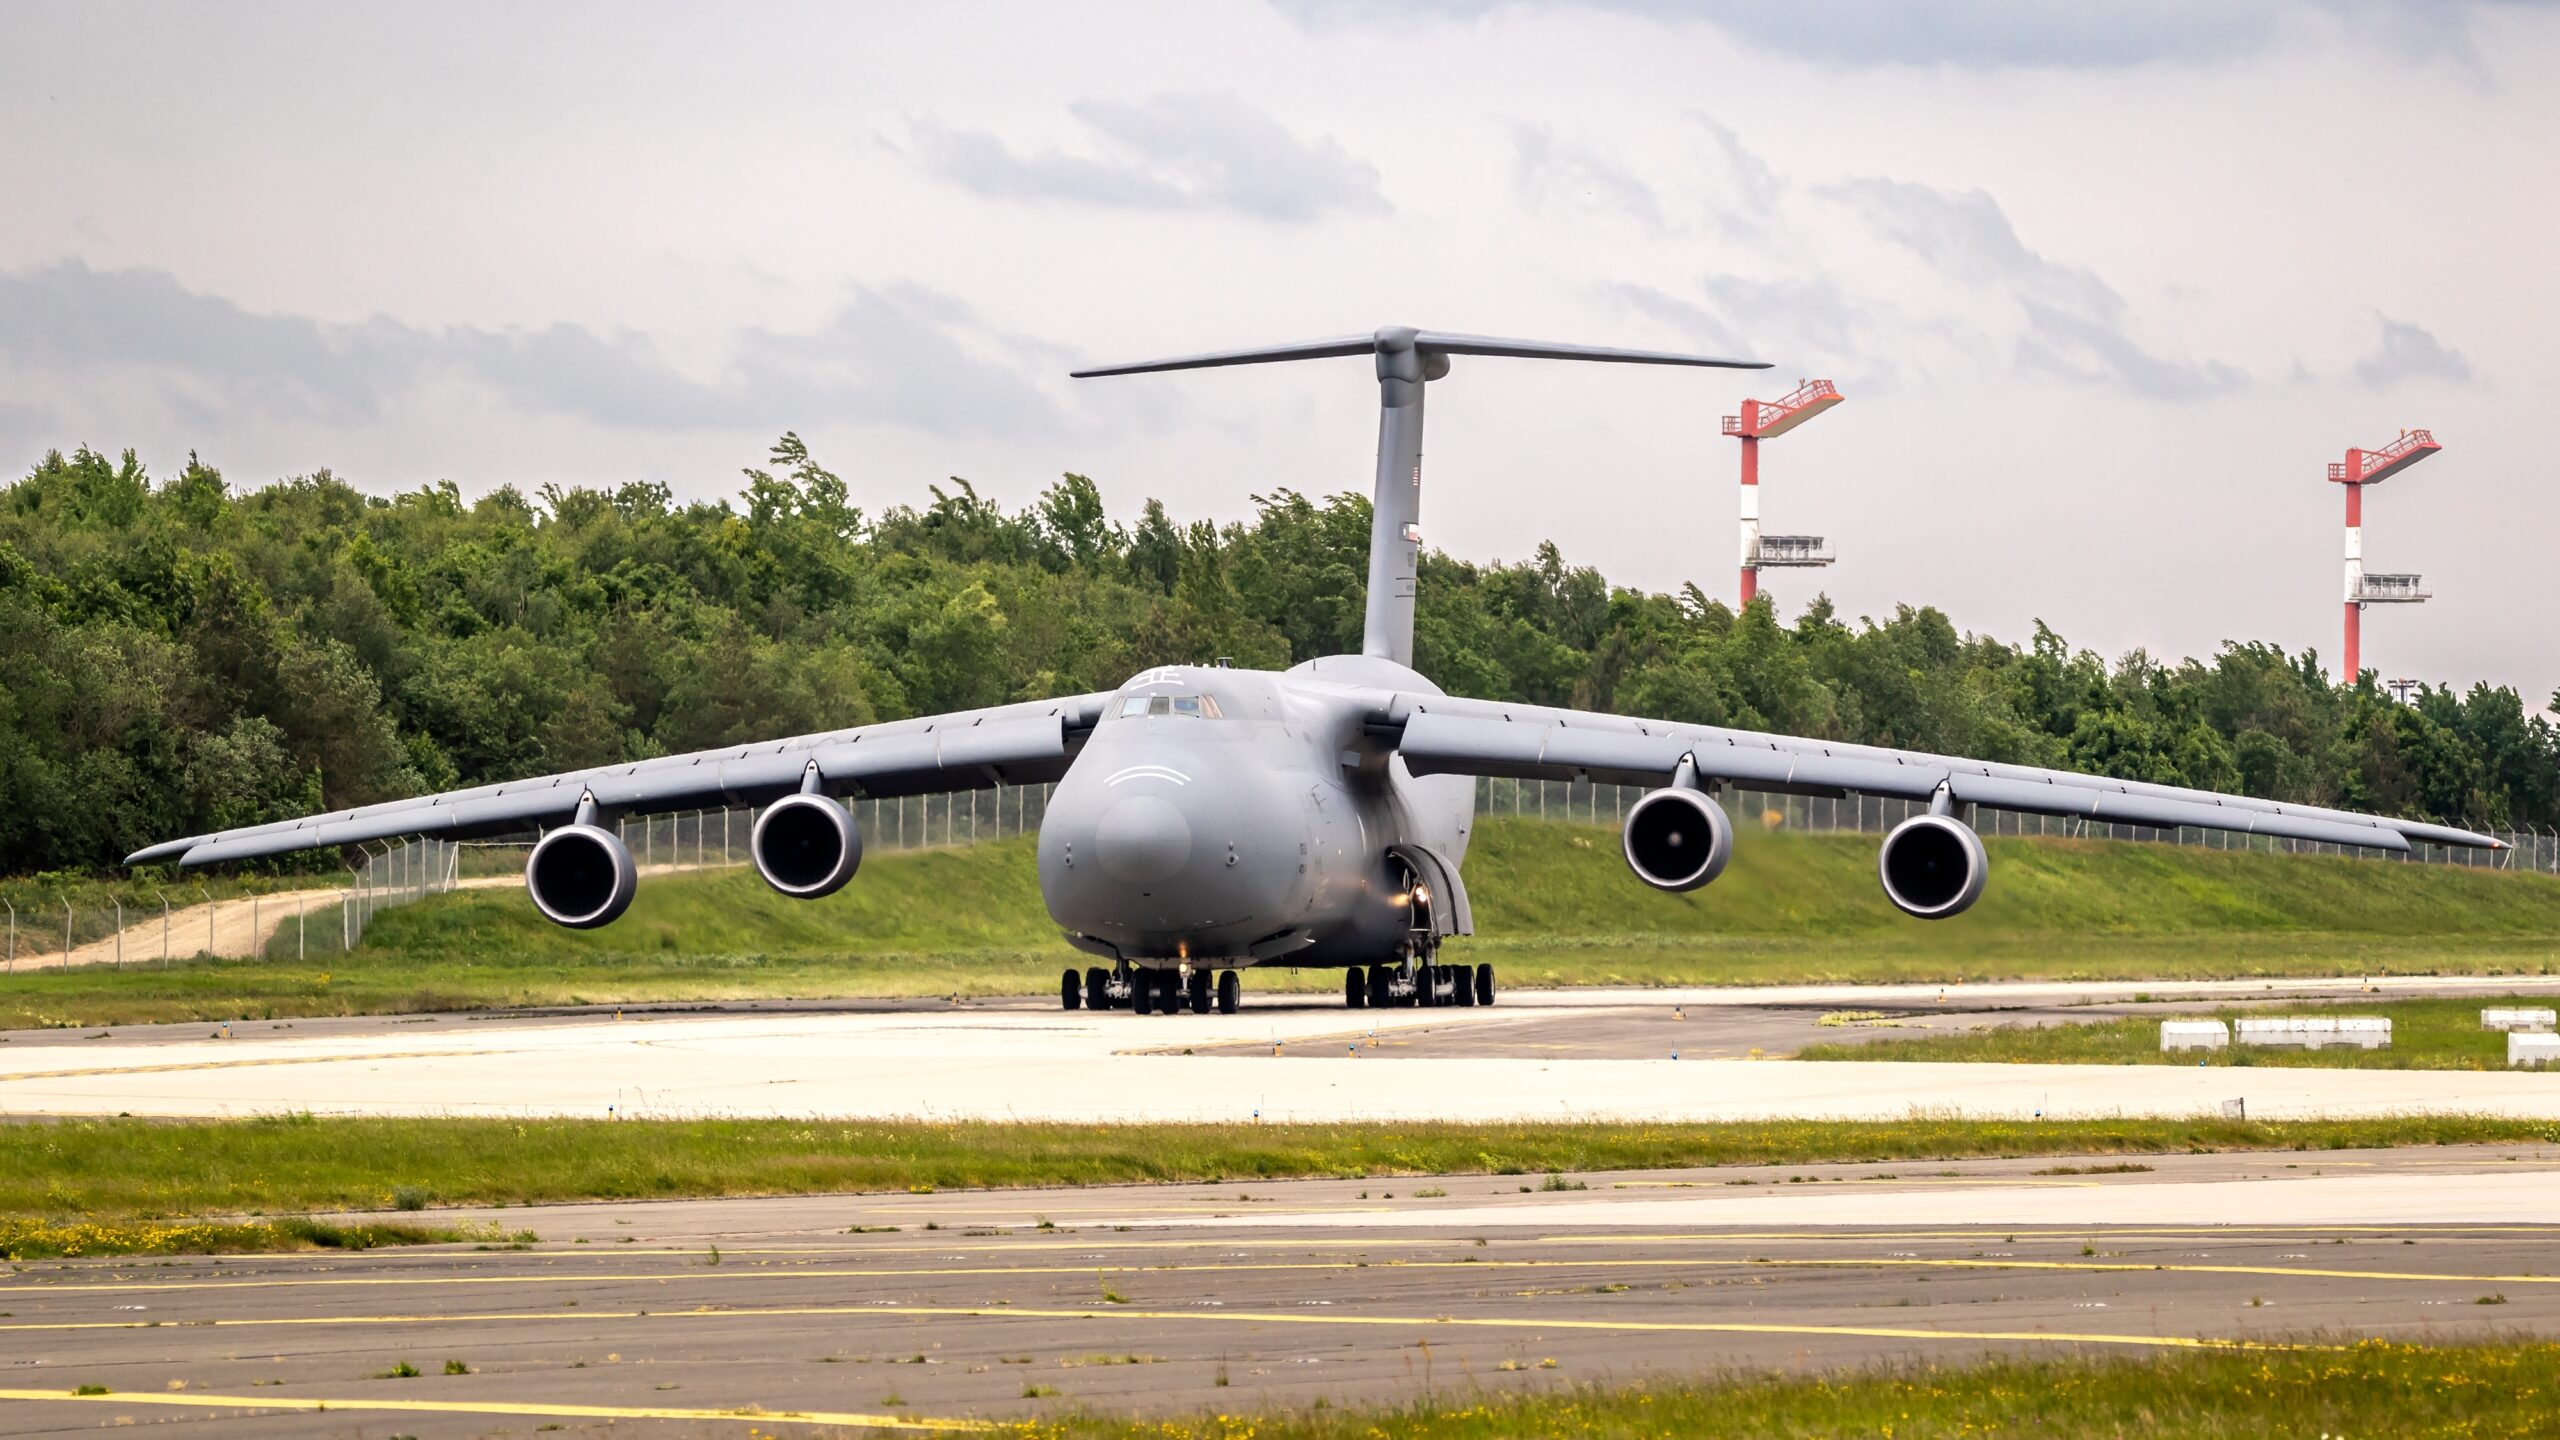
<point x="1379" y="996"/>
<point x="1484" y="984"/>
<point x="1200" y="999"/>
<point x="1097" y="989"/>
<point x="1464" y="992"/>
<point x="1355" y="988"/>
<point x="1142" y="991"/>
<point x="1230" y="991"/>
<point x="1070" y="990"/>
<point x="1423" y="999"/>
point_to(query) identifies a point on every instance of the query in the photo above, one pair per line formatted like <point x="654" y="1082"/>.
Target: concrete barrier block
<point x="2194" y="1035"/>
<point x="2532" y="1048"/>
<point x="2316" y="1032"/>
<point x="2518" y="1019"/>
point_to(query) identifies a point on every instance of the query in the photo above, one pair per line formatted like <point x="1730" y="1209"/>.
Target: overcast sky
<point x="2107" y="290"/>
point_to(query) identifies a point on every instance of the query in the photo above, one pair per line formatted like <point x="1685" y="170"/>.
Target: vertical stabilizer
<point x="1407" y="361"/>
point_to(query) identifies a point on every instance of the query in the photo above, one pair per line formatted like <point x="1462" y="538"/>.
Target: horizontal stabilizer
<point x="1429" y="342"/>
<point x="1303" y="350"/>
<point x="1443" y="343"/>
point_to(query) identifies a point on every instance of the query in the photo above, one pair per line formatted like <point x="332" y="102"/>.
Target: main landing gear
<point x="1145" y="991"/>
<point x="1416" y="983"/>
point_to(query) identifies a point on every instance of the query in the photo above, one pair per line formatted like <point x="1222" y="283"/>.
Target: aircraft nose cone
<point x="1143" y="839"/>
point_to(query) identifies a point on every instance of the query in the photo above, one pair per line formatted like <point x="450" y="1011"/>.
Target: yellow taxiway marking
<point x="1236" y="1267"/>
<point x="1190" y="1317"/>
<point x="498" y="1407"/>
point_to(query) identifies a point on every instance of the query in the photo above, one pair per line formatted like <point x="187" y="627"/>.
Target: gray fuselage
<point x="1239" y="817"/>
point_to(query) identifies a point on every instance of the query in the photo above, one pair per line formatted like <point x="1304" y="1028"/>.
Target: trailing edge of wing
<point x="1646" y="752"/>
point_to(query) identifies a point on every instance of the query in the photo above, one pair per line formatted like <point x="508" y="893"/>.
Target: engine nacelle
<point x="581" y="876"/>
<point x="806" y="846"/>
<point x="1932" y="866"/>
<point x="1676" y="839"/>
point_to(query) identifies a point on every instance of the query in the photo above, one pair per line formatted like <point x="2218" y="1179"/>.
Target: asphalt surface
<point x="817" y="1315"/>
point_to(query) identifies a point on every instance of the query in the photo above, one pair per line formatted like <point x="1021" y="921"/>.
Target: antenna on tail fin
<point x="1407" y="360"/>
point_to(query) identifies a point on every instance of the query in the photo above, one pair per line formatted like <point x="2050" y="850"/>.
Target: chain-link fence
<point x="84" y="928"/>
<point x="310" y="922"/>
<point x="1590" y="803"/>
<point x="715" y="839"/>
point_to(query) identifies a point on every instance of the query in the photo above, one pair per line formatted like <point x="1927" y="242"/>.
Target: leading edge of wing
<point x="961" y="750"/>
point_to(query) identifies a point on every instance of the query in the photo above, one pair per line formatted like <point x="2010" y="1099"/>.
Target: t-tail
<point x="1408" y="359"/>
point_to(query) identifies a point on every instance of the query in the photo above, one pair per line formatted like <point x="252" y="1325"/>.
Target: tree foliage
<point x="176" y="657"/>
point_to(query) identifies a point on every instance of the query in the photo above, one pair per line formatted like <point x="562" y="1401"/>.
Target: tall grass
<point x="2487" y="1390"/>
<point x="147" y="1169"/>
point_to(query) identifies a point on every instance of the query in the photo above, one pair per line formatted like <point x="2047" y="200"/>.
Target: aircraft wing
<point x="1442" y="735"/>
<point x="1024" y="744"/>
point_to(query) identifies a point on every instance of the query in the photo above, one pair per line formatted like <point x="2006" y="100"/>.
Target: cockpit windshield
<point x="1199" y="707"/>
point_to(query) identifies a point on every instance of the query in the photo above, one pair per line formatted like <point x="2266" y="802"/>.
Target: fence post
<point x="13" y="938"/>
<point x="163" y="898"/>
<point x="118" y="902"/>
<point x="66" y="930"/>
<point x="301" y="938"/>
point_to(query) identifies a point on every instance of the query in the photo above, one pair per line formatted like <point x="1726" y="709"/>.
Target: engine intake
<point x="1932" y="866"/>
<point x="806" y="846"/>
<point x="1677" y="839"/>
<point x="581" y="876"/>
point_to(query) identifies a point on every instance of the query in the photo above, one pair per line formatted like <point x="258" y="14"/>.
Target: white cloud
<point x="900" y="355"/>
<point x="1173" y="152"/>
<point x="2409" y="352"/>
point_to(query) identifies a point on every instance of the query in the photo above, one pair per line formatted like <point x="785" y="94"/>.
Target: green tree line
<point x="177" y="656"/>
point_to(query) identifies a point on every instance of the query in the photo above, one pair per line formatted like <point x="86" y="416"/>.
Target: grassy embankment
<point x="2478" y="1391"/>
<point x="2425" y="1035"/>
<point x="1554" y="906"/>
<point x="142" y="1170"/>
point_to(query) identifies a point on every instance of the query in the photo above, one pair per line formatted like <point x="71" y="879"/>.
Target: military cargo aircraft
<point x="1207" y="820"/>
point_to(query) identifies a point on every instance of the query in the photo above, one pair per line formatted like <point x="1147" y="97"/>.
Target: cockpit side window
<point x="1200" y="707"/>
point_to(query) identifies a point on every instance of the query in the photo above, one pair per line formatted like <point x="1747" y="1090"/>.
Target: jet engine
<point x="581" y="876"/>
<point x="806" y="846"/>
<point x="1677" y="839"/>
<point x="1932" y="866"/>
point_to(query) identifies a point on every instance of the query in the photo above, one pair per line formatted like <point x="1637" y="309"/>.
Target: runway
<point x="1603" y="1054"/>
<point x="944" y="1310"/>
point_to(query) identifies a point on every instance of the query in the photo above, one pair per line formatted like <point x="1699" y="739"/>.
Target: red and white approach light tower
<point x="1767" y="420"/>
<point x="2359" y="469"/>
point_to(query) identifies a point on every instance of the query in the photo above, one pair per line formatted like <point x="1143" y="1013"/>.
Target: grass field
<point x="151" y="1170"/>
<point x="1554" y="906"/>
<point x="2480" y="1391"/>
<point x="33" y="1239"/>
<point x="2425" y="1035"/>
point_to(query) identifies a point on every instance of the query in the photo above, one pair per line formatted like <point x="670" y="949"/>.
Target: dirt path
<point x="237" y="927"/>
<point x="234" y="928"/>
